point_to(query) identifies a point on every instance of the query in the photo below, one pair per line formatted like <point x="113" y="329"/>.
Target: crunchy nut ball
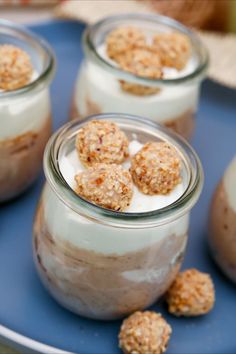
<point x="191" y="294"/>
<point x="109" y="186"/>
<point x="15" y="68"/>
<point x="144" y="333"/>
<point x="101" y="141"/>
<point x="156" y="168"/>
<point x="138" y="90"/>
<point x="174" y="49"/>
<point x="123" y="38"/>
<point x="142" y="62"/>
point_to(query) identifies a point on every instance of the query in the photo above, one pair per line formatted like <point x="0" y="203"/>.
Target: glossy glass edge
<point x="47" y="73"/>
<point x="91" y="51"/>
<point x="101" y="215"/>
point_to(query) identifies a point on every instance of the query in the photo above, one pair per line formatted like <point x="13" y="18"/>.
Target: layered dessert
<point x="141" y="68"/>
<point x="222" y="222"/>
<point x="100" y="269"/>
<point x="25" y="121"/>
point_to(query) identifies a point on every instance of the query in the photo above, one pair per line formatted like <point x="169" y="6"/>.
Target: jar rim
<point x="91" y="50"/>
<point x="122" y="219"/>
<point x="48" y="70"/>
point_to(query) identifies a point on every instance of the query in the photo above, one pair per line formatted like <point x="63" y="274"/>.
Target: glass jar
<point x="25" y="114"/>
<point x="222" y="223"/>
<point x="97" y="88"/>
<point x="104" y="264"/>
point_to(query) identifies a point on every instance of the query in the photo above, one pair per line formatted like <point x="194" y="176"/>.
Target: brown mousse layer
<point x="96" y="285"/>
<point x="183" y="124"/>
<point x="222" y="232"/>
<point x="21" y="160"/>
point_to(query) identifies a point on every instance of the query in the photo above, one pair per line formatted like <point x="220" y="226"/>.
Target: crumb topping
<point x="122" y="39"/>
<point x="15" y="67"/>
<point x="142" y="62"/>
<point x="191" y="294"/>
<point x="138" y="90"/>
<point x="173" y="48"/>
<point x="155" y="168"/>
<point x="128" y="46"/>
<point x="107" y="185"/>
<point x="143" y="333"/>
<point x="101" y="141"/>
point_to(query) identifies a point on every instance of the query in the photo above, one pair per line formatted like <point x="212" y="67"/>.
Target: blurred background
<point x="215" y="15"/>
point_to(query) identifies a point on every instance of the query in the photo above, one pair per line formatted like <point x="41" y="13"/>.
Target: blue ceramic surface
<point x="26" y="307"/>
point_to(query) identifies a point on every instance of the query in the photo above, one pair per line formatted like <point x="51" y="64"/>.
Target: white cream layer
<point x="65" y="224"/>
<point x="103" y="89"/>
<point x="23" y="113"/>
<point x="229" y="181"/>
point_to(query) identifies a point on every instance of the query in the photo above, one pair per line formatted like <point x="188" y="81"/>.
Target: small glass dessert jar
<point x="171" y="99"/>
<point x="222" y="223"/>
<point x="24" y="107"/>
<point x="101" y="263"/>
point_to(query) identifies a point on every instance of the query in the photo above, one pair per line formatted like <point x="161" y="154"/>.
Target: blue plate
<point x="28" y="310"/>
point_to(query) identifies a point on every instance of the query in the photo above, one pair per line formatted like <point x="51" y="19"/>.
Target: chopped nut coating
<point x="109" y="186"/>
<point x="122" y="39"/>
<point x="173" y="48"/>
<point x="144" y="333"/>
<point x="191" y="294"/>
<point x="142" y="62"/>
<point x="101" y="141"/>
<point x="155" y="168"/>
<point x="15" y="68"/>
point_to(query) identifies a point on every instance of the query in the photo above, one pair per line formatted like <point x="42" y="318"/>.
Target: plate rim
<point x="21" y="342"/>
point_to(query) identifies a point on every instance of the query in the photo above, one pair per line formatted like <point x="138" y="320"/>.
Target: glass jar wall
<point x="98" y="88"/>
<point x="101" y="263"/>
<point x="25" y="114"/>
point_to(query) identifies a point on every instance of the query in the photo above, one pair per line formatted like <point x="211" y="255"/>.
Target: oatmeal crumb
<point x="144" y="332"/>
<point x="174" y="49"/>
<point x="107" y="185"/>
<point x="142" y="62"/>
<point x="138" y="90"/>
<point x="15" y="67"/>
<point x="191" y="294"/>
<point x="101" y="141"/>
<point x="155" y="168"/>
<point x="122" y="39"/>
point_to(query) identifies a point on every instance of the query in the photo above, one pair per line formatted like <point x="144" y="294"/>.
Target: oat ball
<point x="121" y="39"/>
<point x="142" y="62"/>
<point x="15" y="68"/>
<point x="191" y="294"/>
<point x="107" y="185"/>
<point x="173" y="48"/>
<point x="101" y="141"/>
<point x="144" y="333"/>
<point x="156" y="168"/>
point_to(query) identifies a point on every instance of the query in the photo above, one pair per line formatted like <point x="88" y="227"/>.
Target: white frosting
<point x="67" y="225"/>
<point x="229" y="181"/>
<point x="26" y="112"/>
<point x="70" y="165"/>
<point x="103" y="89"/>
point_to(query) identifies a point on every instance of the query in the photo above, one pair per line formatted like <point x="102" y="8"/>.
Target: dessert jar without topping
<point x="97" y="89"/>
<point x="105" y="264"/>
<point x="222" y="222"/>
<point x="25" y="114"/>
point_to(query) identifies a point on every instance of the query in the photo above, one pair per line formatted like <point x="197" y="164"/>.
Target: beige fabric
<point x="222" y="48"/>
<point x="90" y="11"/>
<point x="222" y="51"/>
